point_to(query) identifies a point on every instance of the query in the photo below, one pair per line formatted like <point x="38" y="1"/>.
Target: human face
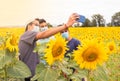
<point x="44" y="24"/>
<point x="32" y="26"/>
<point x="36" y="22"/>
<point x="65" y="34"/>
<point x="36" y="29"/>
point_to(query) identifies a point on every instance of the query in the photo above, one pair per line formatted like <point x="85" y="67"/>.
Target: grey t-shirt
<point x="26" y="45"/>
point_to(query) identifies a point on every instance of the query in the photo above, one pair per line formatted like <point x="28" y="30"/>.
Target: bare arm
<point x="52" y="31"/>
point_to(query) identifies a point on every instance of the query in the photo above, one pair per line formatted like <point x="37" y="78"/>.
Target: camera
<point x="81" y="19"/>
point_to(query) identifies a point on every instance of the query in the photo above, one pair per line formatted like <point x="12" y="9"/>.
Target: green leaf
<point x="50" y="75"/>
<point x="37" y="76"/>
<point x="5" y="59"/>
<point x="47" y="74"/>
<point x="19" y="70"/>
<point x="40" y="67"/>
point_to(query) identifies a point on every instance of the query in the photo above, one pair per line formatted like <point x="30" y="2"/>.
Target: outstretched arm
<point x="52" y="31"/>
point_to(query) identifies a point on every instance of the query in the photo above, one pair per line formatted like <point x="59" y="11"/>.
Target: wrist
<point x="66" y="26"/>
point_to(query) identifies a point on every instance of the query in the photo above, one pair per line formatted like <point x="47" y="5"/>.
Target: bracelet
<point x="66" y="26"/>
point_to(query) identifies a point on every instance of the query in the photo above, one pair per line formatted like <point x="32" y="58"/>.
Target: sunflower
<point x="111" y="47"/>
<point x="90" y="55"/>
<point x="55" y="50"/>
<point x="12" y="43"/>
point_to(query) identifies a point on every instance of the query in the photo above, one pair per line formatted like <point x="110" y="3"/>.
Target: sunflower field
<point x="97" y="58"/>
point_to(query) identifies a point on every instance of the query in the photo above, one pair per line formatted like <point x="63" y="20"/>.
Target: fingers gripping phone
<point x="81" y="19"/>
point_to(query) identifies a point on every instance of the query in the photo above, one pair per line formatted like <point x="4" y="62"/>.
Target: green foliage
<point x="40" y="48"/>
<point x="5" y="59"/>
<point x="113" y="65"/>
<point x="100" y="74"/>
<point x="45" y="73"/>
<point x="67" y="69"/>
<point x="18" y="70"/>
<point x="59" y="71"/>
<point x="11" y="67"/>
<point x="87" y="23"/>
<point x="116" y="19"/>
<point x="98" y="20"/>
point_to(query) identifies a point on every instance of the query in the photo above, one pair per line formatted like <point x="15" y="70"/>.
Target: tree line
<point x="99" y="21"/>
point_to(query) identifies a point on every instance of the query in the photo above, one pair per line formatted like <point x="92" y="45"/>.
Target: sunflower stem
<point x="88" y="77"/>
<point x="5" y="70"/>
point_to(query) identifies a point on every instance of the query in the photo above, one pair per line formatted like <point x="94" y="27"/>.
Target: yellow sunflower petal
<point x="91" y="54"/>
<point x="56" y="50"/>
<point x="111" y="47"/>
<point x="12" y="43"/>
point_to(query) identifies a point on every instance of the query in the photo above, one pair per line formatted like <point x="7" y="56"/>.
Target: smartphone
<point x="81" y="19"/>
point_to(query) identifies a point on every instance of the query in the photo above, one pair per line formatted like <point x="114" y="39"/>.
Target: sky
<point x="20" y="12"/>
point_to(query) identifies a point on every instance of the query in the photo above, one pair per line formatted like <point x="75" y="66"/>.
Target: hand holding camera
<point x="75" y="17"/>
<point x="81" y="19"/>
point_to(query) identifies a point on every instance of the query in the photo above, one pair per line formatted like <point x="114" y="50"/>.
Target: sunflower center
<point x="90" y="54"/>
<point x="57" y="51"/>
<point x="111" y="47"/>
<point x="13" y="42"/>
<point x="91" y="57"/>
